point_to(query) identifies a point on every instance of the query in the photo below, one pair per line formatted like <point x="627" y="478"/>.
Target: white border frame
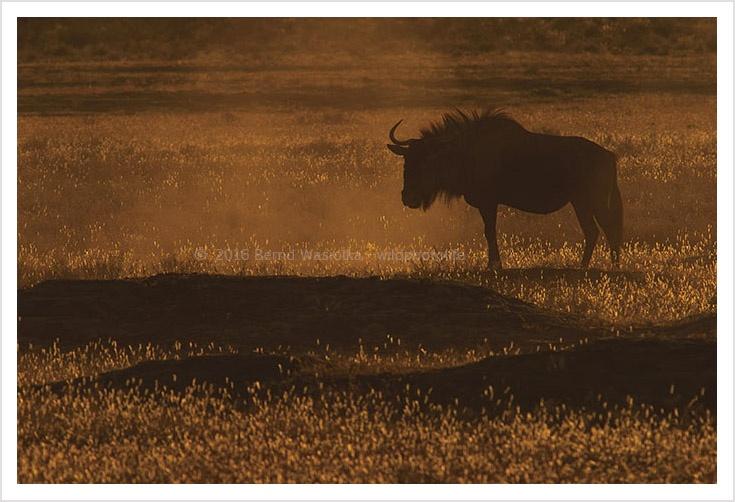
<point x="723" y="11"/>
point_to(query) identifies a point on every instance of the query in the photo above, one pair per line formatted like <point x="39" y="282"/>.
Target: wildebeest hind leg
<point x="610" y="218"/>
<point x="610" y="235"/>
<point x="589" y="228"/>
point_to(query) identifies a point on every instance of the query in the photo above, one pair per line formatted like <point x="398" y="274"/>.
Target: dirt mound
<point x="250" y="312"/>
<point x="221" y="370"/>
<point x="667" y="366"/>
<point x="663" y="373"/>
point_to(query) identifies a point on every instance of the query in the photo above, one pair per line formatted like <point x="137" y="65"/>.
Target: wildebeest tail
<point x="612" y="183"/>
<point x="615" y="208"/>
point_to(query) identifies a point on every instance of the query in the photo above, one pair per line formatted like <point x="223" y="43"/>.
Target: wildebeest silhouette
<point x="490" y="159"/>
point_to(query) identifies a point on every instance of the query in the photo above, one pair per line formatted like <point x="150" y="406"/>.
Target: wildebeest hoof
<point x="494" y="266"/>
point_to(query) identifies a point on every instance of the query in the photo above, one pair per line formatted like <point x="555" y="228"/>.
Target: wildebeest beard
<point x="445" y="170"/>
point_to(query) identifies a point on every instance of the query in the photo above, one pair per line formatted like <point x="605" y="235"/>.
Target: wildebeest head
<point x="420" y="187"/>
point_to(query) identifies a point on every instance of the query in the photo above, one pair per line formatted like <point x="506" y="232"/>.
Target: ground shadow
<point x="551" y="274"/>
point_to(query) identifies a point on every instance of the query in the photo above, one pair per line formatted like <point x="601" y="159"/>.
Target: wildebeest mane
<point x="446" y="141"/>
<point x="458" y="124"/>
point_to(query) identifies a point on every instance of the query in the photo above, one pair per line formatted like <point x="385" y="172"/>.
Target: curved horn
<point x="393" y="138"/>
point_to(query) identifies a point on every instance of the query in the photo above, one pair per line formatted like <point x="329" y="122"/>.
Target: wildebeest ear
<point x="398" y="149"/>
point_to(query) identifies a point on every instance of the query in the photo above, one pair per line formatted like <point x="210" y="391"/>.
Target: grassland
<point x="200" y="437"/>
<point x="110" y="196"/>
<point x="135" y="169"/>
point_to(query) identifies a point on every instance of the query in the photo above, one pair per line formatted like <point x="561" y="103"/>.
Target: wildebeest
<point x="490" y="159"/>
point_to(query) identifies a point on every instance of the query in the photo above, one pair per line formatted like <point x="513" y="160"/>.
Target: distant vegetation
<point x="45" y="39"/>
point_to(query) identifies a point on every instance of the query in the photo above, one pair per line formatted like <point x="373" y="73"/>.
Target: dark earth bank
<point x="667" y="366"/>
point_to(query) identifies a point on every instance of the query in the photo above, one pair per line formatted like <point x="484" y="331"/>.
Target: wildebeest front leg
<point x="489" y="216"/>
<point x="589" y="228"/>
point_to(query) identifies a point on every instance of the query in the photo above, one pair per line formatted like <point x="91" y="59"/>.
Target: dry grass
<point x="108" y="196"/>
<point x="207" y="435"/>
<point x="123" y="437"/>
